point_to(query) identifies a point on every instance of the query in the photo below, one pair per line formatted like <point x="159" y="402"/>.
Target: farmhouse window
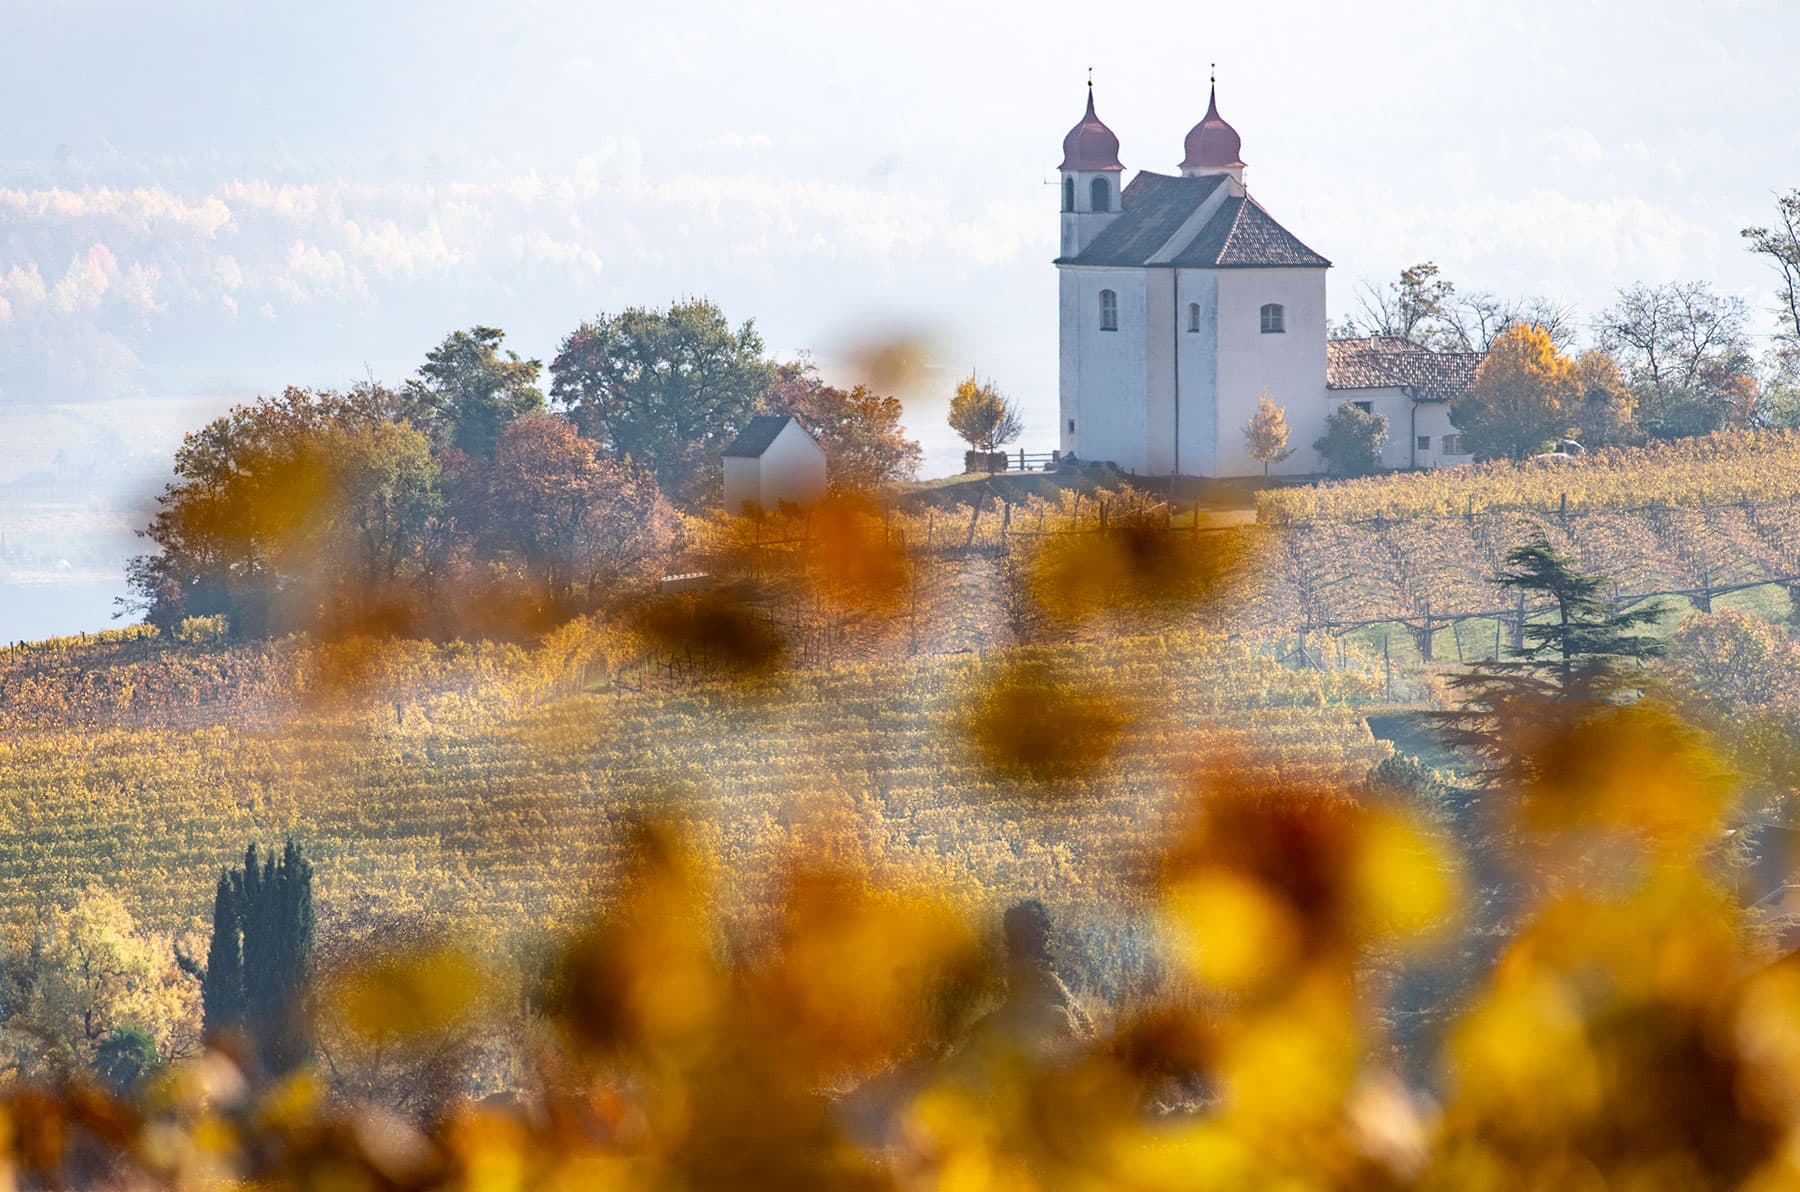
<point x="1274" y="320"/>
<point x="1453" y="445"/>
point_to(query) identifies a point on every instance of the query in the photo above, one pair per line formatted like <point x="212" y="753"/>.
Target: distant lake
<point x="29" y="612"/>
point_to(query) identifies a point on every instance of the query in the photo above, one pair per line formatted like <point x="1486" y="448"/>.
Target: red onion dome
<point x="1090" y="145"/>
<point x="1213" y="144"/>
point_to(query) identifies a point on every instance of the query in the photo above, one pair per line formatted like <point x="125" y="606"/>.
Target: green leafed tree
<point x="668" y="390"/>
<point x="469" y="389"/>
<point x="1352" y="442"/>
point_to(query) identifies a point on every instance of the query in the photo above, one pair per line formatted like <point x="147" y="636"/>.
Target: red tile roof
<point x="1388" y="362"/>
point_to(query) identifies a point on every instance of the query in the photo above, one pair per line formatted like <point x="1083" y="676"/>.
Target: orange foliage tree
<point x="1525" y="393"/>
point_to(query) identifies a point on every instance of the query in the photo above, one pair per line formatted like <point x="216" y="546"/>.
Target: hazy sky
<point x="210" y="199"/>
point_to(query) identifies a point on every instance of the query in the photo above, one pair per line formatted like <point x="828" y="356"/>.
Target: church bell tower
<point x="1090" y="188"/>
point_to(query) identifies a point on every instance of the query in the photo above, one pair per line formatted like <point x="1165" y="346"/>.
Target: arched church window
<point x="1100" y="195"/>
<point x="1109" y="311"/>
<point x="1273" y="319"/>
<point x="1068" y="194"/>
<point x="1193" y="318"/>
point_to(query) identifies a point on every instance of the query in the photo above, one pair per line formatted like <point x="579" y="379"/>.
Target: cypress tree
<point x="222" y="984"/>
<point x="261" y="951"/>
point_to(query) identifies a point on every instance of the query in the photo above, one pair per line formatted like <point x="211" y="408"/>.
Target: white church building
<point x="1182" y="301"/>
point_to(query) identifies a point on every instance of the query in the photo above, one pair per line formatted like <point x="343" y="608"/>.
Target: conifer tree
<point x="261" y="950"/>
<point x="222" y="982"/>
<point x="1584" y="655"/>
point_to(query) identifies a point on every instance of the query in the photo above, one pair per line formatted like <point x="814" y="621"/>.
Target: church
<point x="1182" y="301"/>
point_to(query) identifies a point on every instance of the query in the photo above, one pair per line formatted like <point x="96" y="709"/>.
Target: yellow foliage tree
<point x="93" y="971"/>
<point x="1525" y="394"/>
<point x="984" y="416"/>
<point x="1266" y="434"/>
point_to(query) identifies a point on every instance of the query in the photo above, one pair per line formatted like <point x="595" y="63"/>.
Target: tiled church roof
<point x="1240" y="235"/>
<point x="1154" y="208"/>
<point x="1387" y="362"/>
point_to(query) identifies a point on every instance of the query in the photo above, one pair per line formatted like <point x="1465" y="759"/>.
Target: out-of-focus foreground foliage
<point x="1630" y="1034"/>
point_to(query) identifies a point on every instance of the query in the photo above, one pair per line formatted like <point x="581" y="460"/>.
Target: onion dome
<point x="1213" y="144"/>
<point x="1090" y="145"/>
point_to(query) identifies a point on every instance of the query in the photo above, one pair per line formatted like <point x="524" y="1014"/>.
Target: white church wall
<point x="1199" y="431"/>
<point x="1110" y="367"/>
<point x="1160" y="329"/>
<point x="1289" y="364"/>
<point x="1068" y="361"/>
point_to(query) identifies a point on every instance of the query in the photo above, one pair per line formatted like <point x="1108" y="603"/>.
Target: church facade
<point x="1182" y="301"/>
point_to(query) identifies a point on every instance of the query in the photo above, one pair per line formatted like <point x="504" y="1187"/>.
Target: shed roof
<point x="761" y="431"/>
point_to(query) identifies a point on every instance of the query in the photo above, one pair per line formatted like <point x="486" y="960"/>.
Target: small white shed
<point x="775" y="459"/>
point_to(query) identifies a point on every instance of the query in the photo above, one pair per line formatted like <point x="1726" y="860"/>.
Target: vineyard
<point x="1420" y="552"/>
<point x="1730" y="467"/>
<point x="458" y="783"/>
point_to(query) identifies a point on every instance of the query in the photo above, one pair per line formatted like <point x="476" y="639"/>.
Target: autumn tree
<point x="276" y="503"/>
<point x="468" y="390"/>
<point x="1604" y="411"/>
<point x="1525" y="394"/>
<point x="91" y="972"/>
<point x="1352" y="442"/>
<point x="1266" y="434"/>
<point x="866" y="447"/>
<point x="578" y="520"/>
<point x="665" y="389"/>
<point x="985" y="418"/>
<point x="1686" y="353"/>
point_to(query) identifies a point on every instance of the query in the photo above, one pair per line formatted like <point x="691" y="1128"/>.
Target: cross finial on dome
<point x="1215" y="75"/>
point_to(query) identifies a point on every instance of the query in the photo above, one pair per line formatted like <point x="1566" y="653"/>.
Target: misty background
<point x="201" y="202"/>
